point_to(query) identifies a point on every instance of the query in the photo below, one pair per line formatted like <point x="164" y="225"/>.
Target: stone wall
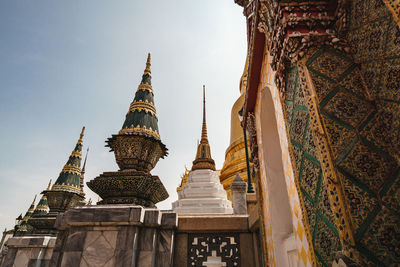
<point x="28" y="251"/>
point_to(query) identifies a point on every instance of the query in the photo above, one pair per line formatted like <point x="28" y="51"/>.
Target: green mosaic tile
<point x="299" y="124"/>
<point x="368" y="166"/>
<point x="348" y="108"/>
<point x="390" y="80"/>
<point x="323" y="203"/>
<point x="322" y="86"/>
<point x="310" y="176"/>
<point x="368" y="42"/>
<point x="330" y="64"/>
<point x="382" y="239"/>
<point x="393" y="40"/>
<point x="383" y="130"/>
<point x="309" y="144"/>
<point x="354" y="83"/>
<point x="326" y="242"/>
<point x="360" y="202"/>
<point x="339" y="136"/>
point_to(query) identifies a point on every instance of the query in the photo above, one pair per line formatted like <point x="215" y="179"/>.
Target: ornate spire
<point x="141" y="118"/>
<point x="137" y="148"/>
<point x="82" y="178"/>
<point x="69" y="178"/>
<point x="23" y="226"/>
<point x="203" y="156"/>
<point x="42" y="207"/>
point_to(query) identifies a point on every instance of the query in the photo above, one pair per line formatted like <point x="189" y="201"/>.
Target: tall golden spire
<point x="204" y="126"/>
<point x="203" y="157"/>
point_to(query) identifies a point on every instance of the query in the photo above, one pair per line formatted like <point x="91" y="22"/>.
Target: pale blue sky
<point x="65" y="64"/>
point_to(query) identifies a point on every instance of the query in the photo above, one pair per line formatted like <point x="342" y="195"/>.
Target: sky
<point x="68" y="64"/>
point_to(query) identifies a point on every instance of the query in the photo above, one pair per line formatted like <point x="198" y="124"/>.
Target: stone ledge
<point x="116" y="215"/>
<point x="31" y="242"/>
<point x="212" y="223"/>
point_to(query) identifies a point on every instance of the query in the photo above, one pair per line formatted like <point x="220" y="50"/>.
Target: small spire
<point x="83" y="170"/>
<point x="84" y="163"/>
<point x="48" y="187"/>
<point x="69" y="178"/>
<point x="148" y="64"/>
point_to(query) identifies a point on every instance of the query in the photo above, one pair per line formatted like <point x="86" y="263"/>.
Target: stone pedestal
<point x="238" y="188"/>
<point x="203" y="194"/>
<point x="114" y="235"/>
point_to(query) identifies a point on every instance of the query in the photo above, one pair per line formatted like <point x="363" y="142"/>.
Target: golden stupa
<point x="235" y="155"/>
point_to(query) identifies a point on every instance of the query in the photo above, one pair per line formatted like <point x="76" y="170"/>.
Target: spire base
<point x="203" y="163"/>
<point x="60" y="201"/>
<point x="129" y="187"/>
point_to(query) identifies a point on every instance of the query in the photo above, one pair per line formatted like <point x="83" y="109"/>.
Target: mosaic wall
<point x="356" y="125"/>
<point x="362" y="127"/>
<point x="304" y="254"/>
<point x="359" y="106"/>
<point x="320" y="221"/>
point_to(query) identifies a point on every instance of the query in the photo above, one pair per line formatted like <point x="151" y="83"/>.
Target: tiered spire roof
<point x="141" y="118"/>
<point x="30" y="211"/>
<point x="70" y="176"/>
<point x="42" y="207"/>
<point x="203" y="156"/>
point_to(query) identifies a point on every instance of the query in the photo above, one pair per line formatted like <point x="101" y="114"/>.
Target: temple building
<point x="315" y="131"/>
<point x="200" y="190"/>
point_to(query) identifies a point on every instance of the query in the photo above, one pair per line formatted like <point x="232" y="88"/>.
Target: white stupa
<point x="203" y="192"/>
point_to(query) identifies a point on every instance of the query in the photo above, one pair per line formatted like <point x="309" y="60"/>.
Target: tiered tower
<point x="66" y="191"/>
<point x="40" y="221"/>
<point x="203" y="192"/>
<point x="137" y="148"/>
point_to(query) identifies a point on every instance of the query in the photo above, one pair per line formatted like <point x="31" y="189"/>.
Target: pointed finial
<point x="48" y="187"/>
<point x="148" y="64"/>
<point x="82" y="132"/>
